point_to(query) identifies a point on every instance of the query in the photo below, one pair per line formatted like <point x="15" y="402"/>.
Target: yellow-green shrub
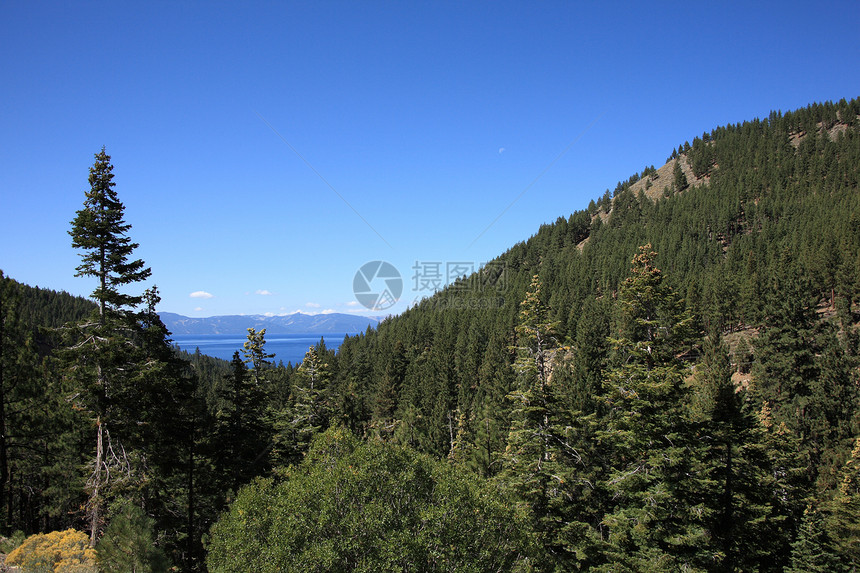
<point x="58" y="552"/>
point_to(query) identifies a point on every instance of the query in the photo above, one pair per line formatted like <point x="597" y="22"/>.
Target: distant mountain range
<point x="296" y="323"/>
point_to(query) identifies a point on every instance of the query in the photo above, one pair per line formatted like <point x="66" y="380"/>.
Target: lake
<point x="286" y="347"/>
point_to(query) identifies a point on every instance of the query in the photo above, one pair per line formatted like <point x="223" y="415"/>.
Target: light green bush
<point x="353" y="506"/>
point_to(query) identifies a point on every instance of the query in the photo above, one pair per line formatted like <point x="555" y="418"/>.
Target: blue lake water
<point x="286" y="347"/>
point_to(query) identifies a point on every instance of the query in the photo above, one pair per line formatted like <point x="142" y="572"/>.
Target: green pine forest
<point x="665" y="380"/>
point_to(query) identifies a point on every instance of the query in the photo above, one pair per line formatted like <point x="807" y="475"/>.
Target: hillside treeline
<point x="666" y="379"/>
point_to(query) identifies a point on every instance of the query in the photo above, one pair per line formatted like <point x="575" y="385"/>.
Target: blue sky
<point x="418" y="123"/>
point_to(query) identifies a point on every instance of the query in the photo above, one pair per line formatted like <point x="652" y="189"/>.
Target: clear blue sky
<point x="428" y="118"/>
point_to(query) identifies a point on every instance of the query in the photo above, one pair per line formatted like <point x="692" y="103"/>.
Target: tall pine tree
<point x="655" y="521"/>
<point x="734" y="482"/>
<point x="100" y="352"/>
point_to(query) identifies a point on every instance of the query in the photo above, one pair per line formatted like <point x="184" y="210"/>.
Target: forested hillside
<point x="779" y="215"/>
<point x="28" y="405"/>
<point x="667" y="379"/>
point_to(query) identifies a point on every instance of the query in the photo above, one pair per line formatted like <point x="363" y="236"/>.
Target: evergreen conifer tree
<point x="100" y="352"/>
<point x="812" y="551"/>
<point x="652" y="450"/>
<point x="243" y="426"/>
<point x="529" y="463"/>
<point x="26" y="413"/>
<point x="733" y="483"/>
<point x="786" y="370"/>
<point x="128" y="544"/>
<point x="100" y="231"/>
<point x="309" y="409"/>
<point x="844" y="520"/>
<point x="548" y="461"/>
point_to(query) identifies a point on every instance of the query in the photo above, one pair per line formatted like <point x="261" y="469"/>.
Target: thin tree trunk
<point x="94" y="497"/>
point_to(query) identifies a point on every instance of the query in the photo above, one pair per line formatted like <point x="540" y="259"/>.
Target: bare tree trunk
<point x="97" y="478"/>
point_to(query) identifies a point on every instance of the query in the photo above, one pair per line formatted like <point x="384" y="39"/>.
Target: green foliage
<point x="535" y="335"/>
<point x="308" y="411"/>
<point x="678" y="177"/>
<point x="100" y="358"/>
<point x="21" y="388"/>
<point x="531" y="464"/>
<point x="720" y="240"/>
<point x="242" y="430"/>
<point x="367" y="507"/>
<point x="812" y="551"/>
<point x="129" y="542"/>
<point x="628" y="443"/>
<point x="735" y="484"/>
<point x="649" y="436"/>
<point x="652" y="324"/>
<point x="844" y="522"/>
<point x="125" y="386"/>
<point x="786" y="349"/>
<point x="56" y="552"/>
<point x="590" y="354"/>
<point x="255" y="353"/>
<point x="100" y="231"/>
<point x="9" y="544"/>
<point x="38" y="460"/>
